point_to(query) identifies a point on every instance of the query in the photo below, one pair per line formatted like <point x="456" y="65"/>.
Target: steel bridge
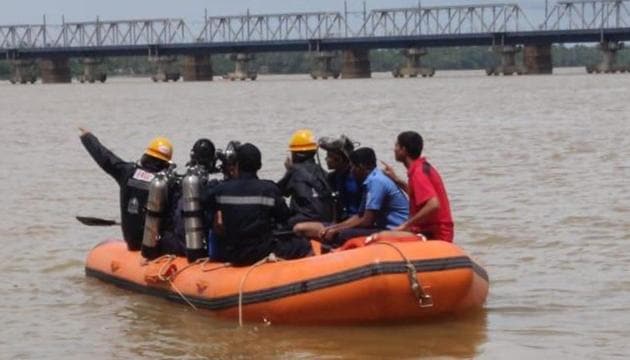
<point x="437" y="26"/>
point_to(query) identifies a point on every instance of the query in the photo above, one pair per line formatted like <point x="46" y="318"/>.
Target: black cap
<point x="248" y="158"/>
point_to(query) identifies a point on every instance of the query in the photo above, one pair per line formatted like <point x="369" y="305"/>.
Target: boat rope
<point x="166" y="274"/>
<point x="269" y="258"/>
<point x="424" y="299"/>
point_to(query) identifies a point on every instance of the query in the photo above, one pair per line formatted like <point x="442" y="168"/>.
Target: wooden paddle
<point x="92" y="221"/>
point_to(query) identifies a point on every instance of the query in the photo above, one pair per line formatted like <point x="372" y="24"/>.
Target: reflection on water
<point x="536" y="168"/>
<point x="197" y="334"/>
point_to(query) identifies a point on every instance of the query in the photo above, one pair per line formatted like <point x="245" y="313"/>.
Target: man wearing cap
<point x="340" y="178"/>
<point x="249" y="207"/>
<point x="346" y="190"/>
<point x="133" y="178"/>
<point x="305" y="182"/>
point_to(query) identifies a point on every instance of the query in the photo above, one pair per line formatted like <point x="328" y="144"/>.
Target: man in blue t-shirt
<point x="383" y="205"/>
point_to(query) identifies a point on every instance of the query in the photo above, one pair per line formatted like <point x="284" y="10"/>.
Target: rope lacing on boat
<point x="166" y="273"/>
<point x="269" y="258"/>
<point x="424" y="299"/>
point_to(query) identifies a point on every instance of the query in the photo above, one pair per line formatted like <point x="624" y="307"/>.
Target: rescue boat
<point x="387" y="282"/>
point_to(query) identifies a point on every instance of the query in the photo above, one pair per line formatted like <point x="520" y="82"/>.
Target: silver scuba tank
<point x="196" y="234"/>
<point x="156" y="203"/>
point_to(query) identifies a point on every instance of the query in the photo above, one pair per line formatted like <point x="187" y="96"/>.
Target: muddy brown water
<point x="537" y="169"/>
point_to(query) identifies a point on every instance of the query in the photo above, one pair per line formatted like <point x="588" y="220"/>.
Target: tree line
<point x="381" y="60"/>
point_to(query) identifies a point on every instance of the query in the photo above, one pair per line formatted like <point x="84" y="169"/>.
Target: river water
<point x="537" y="169"/>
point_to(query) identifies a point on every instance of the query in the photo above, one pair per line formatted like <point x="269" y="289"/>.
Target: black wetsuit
<point x="311" y="195"/>
<point x="133" y="180"/>
<point x="251" y="207"/>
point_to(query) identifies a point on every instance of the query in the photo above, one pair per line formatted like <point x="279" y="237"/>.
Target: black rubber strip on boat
<point x="299" y="287"/>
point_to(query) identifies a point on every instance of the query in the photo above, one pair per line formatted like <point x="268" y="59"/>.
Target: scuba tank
<point x="196" y="234"/>
<point x="156" y="203"/>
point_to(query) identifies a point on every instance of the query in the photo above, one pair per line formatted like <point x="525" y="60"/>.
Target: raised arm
<point x="107" y="160"/>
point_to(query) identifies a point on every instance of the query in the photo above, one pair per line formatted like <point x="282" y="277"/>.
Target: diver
<point x="178" y="225"/>
<point x="133" y="178"/>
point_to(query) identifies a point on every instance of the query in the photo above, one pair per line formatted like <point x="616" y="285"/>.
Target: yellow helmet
<point x="302" y="140"/>
<point x="161" y="148"/>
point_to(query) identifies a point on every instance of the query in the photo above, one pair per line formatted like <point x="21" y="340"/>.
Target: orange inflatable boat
<point x="386" y="282"/>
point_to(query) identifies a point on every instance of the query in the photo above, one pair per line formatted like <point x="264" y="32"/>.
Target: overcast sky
<point x="32" y="11"/>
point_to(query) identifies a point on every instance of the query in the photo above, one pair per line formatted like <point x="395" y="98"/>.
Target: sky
<point x="32" y="11"/>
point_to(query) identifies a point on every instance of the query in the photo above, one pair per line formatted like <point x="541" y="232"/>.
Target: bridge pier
<point x="165" y="68"/>
<point x="22" y="71"/>
<point x="197" y="68"/>
<point x="537" y="59"/>
<point x="322" y="65"/>
<point x="413" y="64"/>
<point x="508" y="64"/>
<point x="242" y="69"/>
<point x="55" y="70"/>
<point x="92" y="71"/>
<point x="356" y="64"/>
<point x="608" y="64"/>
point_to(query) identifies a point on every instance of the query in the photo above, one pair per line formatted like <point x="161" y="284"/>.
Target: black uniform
<point x="311" y="195"/>
<point x="250" y="208"/>
<point x="133" y="180"/>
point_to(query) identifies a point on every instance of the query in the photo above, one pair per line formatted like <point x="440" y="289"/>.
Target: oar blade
<point x="92" y="221"/>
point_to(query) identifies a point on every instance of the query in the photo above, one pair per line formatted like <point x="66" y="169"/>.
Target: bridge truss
<point x="588" y="14"/>
<point x="261" y="28"/>
<point x="444" y="20"/>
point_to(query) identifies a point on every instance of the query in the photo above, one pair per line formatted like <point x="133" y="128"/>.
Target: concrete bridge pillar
<point x="242" y="68"/>
<point x="55" y="70"/>
<point x="322" y="65"/>
<point x="165" y="68"/>
<point x="92" y="71"/>
<point x="413" y="64"/>
<point x="22" y="71"/>
<point x="356" y="64"/>
<point x="537" y="59"/>
<point x="508" y="64"/>
<point x="608" y="64"/>
<point x="197" y="68"/>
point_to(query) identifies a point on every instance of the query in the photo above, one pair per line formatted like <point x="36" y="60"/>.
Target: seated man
<point x="305" y="182"/>
<point x="343" y="184"/>
<point x="249" y="207"/>
<point x="383" y="205"/>
<point x="340" y="178"/>
<point x="429" y="205"/>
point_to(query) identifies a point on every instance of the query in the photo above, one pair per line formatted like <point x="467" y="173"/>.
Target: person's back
<point x="133" y="179"/>
<point x="173" y="230"/>
<point x="425" y="182"/>
<point x="250" y="208"/>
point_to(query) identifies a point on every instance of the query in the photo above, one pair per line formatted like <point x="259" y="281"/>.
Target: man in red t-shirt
<point x="429" y="209"/>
